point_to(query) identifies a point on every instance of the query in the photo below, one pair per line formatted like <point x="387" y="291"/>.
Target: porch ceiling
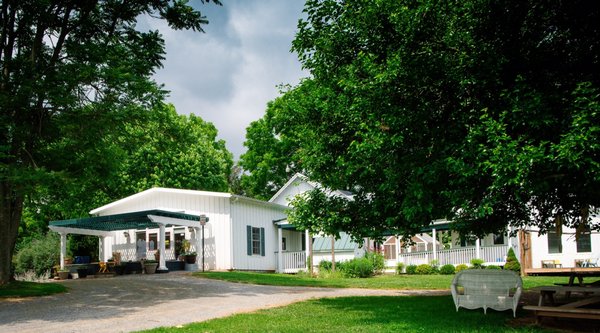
<point x="125" y="221"/>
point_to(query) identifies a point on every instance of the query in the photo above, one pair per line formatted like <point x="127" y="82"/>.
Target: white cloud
<point x="228" y="74"/>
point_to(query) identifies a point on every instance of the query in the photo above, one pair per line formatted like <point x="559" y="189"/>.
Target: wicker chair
<point x="487" y="288"/>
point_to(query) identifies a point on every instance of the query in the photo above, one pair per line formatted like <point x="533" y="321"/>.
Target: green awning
<point x="125" y="221"/>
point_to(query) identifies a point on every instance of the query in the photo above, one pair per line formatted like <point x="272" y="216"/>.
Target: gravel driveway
<point x="135" y="302"/>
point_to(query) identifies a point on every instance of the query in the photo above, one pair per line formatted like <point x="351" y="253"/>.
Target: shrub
<point x="325" y="265"/>
<point x="461" y="267"/>
<point x="377" y="260"/>
<point x="400" y="268"/>
<point x="38" y="256"/>
<point x="424" y="269"/>
<point x="359" y="268"/>
<point x="492" y="267"/>
<point x="411" y="269"/>
<point x="477" y="263"/>
<point x="447" y="269"/>
<point x="511" y="261"/>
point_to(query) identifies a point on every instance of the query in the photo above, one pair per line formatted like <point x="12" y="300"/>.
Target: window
<point x="584" y="242"/>
<point x="255" y="240"/>
<point x="167" y="240"/>
<point x="467" y="240"/>
<point x="303" y="242"/>
<point x="283" y="244"/>
<point x="554" y="242"/>
<point x="152" y="241"/>
<point x="498" y="239"/>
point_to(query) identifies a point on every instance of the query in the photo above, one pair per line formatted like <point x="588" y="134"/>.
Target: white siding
<point x="297" y="187"/>
<point x="259" y="215"/>
<point x="539" y="249"/>
<point x="216" y="232"/>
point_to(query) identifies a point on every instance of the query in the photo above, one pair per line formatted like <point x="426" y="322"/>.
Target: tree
<point x="477" y="111"/>
<point x="269" y="160"/>
<point x="71" y="72"/>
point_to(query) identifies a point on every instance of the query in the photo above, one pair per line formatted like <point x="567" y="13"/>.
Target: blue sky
<point x="228" y="74"/>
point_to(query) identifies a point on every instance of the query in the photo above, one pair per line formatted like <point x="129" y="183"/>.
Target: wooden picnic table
<point x="571" y="272"/>
<point x="585" y="307"/>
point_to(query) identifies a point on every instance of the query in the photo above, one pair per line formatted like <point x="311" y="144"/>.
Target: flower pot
<point x="150" y="268"/>
<point x="82" y="272"/>
<point x="190" y="259"/>
<point x="119" y="269"/>
<point x="63" y="275"/>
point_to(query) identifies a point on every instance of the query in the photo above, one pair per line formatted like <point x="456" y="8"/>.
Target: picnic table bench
<point x="547" y="305"/>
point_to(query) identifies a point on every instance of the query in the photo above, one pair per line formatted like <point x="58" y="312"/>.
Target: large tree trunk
<point x="11" y="209"/>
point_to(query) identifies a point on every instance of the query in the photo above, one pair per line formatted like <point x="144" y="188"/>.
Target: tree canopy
<point x="483" y="112"/>
<point x="72" y="73"/>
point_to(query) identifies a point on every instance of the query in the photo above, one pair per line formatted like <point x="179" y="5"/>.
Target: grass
<point x="363" y="314"/>
<point x="30" y="289"/>
<point x="378" y="282"/>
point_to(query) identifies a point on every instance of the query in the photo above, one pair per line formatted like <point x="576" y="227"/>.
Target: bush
<point x="492" y="267"/>
<point x="424" y="269"/>
<point x="477" y="263"/>
<point x="325" y="265"/>
<point x="400" y="268"/>
<point x="511" y="262"/>
<point x="411" y="269"/>
<point x="38" y="256"/>
<point x="461" y="267"/>
<point x="447" y="269"/>
<point x="359" y="268"/>
<point x="377" y="260"/>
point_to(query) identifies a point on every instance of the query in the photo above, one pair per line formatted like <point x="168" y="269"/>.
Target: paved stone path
<point x="135" y="302"/>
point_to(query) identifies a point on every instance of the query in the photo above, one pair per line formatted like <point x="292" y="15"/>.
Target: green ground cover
<point x="364" y="314"/>
<point x="30" y="289"/>
<point x="377" y="282"/>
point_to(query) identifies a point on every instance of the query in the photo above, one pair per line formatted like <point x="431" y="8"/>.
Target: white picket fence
<point x="489" y="254"/>
<point x="292" y="262"/>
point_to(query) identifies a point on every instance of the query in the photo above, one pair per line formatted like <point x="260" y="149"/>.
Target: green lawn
<point x="30" y="289"/>
<point x="364" y="314"/>
<point x="378" y="282"/>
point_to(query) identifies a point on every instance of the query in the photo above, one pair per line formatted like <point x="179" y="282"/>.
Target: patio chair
<point x="487" y="288"/>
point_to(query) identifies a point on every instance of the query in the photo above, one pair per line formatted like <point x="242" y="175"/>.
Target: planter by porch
<point x="119" y="269"/>
<point x="82" y="272"/>
<point x="190" y="258"/>
<point x="63" y="275"/>
<point x="150" y="267"/>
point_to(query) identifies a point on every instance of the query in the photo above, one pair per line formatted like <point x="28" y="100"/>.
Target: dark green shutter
<point x="262" y="242"/>
<point x="249" y="239"/>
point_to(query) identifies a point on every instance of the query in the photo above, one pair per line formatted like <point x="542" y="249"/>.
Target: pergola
<point x="103" y="226"/>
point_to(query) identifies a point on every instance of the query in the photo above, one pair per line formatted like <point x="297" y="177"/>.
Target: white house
<point x="241" y="233"/>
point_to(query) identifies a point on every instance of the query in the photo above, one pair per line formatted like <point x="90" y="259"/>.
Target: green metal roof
<point x="125" y="221"/>
<point x="323" y="244"/>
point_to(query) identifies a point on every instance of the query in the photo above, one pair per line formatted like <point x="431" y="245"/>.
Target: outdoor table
<point x="572" y="273"/>
<point x="574" y="308"/>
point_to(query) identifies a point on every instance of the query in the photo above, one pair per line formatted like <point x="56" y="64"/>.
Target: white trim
<point x="78" y="231"/>
<point x="159" y="190"/>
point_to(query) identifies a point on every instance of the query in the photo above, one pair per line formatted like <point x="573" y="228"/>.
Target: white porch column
<point x="161" y="247"/>
<point x="198" y="238"/>
<point x="63" y="249"/>
<point x="101" y="256"/>
<point x="279" y="250"/>
<point x="477" y="248"/>
<point x="397" y="254"/>
<point x="433" y="235"/>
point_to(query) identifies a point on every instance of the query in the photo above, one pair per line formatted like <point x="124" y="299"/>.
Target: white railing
<point x="456" y="256"/>
<point x="292" y="262"/>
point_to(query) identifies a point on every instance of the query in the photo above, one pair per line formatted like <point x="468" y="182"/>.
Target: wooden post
<point x="332" y="253"/>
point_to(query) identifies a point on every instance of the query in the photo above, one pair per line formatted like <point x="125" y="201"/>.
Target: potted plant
<point x="150" y="266"/>
<point x="190" y="257"/>
<point x="68" y="260"/>
<point x="63" y="273"/>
